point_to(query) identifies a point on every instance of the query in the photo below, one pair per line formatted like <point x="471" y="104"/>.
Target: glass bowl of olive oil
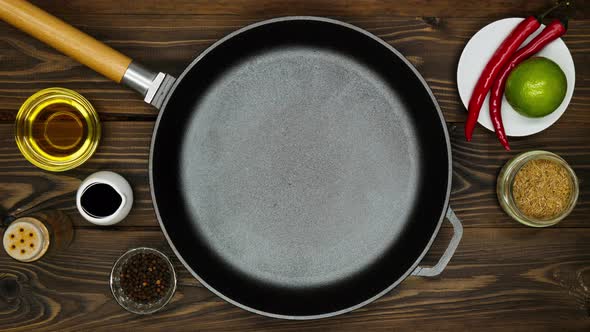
<point x="57" y="129"/>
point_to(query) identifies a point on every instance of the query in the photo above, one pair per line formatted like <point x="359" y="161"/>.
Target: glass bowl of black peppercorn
<point x="143" y="280"/>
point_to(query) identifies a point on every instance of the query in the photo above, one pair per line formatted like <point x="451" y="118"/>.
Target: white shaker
<point x="104" y="198"/>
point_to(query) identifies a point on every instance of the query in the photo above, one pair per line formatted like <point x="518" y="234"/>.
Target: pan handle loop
<point x="437" y="269"/>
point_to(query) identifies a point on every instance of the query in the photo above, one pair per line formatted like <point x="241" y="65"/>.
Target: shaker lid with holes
<point x="26" y="239"/>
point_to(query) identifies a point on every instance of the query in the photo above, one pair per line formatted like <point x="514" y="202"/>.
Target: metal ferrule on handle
<point x="153" y="87"/>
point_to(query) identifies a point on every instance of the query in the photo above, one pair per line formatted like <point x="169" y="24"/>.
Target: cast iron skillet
<point x="300" y="167"/>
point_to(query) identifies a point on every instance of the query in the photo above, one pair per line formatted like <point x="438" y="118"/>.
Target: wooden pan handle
<point x="65" y="38"/>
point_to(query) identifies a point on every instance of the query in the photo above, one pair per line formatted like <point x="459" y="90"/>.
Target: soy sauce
<point x="100" y="200"/>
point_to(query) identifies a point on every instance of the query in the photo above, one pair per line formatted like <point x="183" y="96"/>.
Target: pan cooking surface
<point x="299" y="166"/>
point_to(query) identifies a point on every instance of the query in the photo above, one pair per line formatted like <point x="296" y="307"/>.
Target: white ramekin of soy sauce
<point x="104" y="198"/>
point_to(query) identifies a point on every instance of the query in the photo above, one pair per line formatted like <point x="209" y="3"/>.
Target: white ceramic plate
<point x="476" y="55"/>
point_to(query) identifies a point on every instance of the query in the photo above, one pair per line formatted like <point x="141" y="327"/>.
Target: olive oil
<point x="57" y="129"/>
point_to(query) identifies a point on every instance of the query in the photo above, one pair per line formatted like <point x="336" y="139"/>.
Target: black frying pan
<point x="300" y="167"/>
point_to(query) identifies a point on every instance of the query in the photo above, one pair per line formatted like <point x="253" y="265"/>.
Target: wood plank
<point x="510" y="279"/>
<point x="504" y="276"/>
<point x="125" y="149"/>
<point x="168" y="43"/>
<point x="273" y="8"/>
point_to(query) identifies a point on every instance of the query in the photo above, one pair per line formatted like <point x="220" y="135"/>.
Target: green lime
<point x="536" y="87"/>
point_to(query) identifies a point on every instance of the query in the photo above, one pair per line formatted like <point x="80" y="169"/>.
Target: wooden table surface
<point x="503" y="276"/>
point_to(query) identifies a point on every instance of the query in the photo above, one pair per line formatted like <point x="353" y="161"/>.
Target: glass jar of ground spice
<point x="143" y="280"/>
<point x="537" y="188"/>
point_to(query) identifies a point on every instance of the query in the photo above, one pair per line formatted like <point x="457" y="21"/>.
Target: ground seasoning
<point x="542" y="189"/>
<point x="145" y="278"/>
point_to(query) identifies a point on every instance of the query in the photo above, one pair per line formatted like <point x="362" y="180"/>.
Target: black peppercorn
<point x="144" y="278"/>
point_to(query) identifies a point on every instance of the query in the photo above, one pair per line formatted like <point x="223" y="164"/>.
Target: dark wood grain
<point x="125" y="148"/>
<point x="504" y="276"/>
<point x="169" y="42"/>
<point x="273" y="8"/>
<point x="518" y="279"/>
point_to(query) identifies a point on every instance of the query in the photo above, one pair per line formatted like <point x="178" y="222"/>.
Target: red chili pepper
<point x="553" y="31"/>
<point x="490" y="71"/>
<point x="498" y="60"/>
